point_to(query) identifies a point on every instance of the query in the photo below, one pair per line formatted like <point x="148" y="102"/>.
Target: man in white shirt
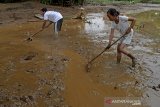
<point x="52" y="17"/>
<point x="122" y="27"/>
<point x="125" y="26"/>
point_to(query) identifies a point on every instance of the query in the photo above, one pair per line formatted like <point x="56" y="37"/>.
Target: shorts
<point x="127" y="38"/>
<point x="58" y="25"/>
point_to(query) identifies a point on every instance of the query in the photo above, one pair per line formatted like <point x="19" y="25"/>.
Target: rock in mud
<point x="136" y="82"/>
<point x="24" y="99"/>
<point x="115" y="87"/>
<point x="65" y="59"/>
<point x="27" y="99"/>
<point x="30" y="56"/>
<point x="154" y="88"/>
<point x="31" y="98"/>
<point x="147" y="95"/>
<point x="158" y="86"/>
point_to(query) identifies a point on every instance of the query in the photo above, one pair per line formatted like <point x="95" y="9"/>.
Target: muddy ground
<point x="50" y="71"/>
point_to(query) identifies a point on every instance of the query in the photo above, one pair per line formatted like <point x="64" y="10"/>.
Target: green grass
<point x="121" y="1"/>
<point x="151" y="1"/>
<point x="112" y="1"/>
<point x="151" y="22"/>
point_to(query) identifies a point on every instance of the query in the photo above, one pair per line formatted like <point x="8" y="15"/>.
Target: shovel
<point x="30" y="38"/>
<point x="88" y="66"/>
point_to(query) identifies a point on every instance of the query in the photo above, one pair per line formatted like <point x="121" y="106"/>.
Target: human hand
<point x="108" y="47"/>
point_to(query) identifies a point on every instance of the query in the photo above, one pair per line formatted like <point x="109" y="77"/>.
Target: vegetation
<point x="122" y="1"/>
<point x="11" y="1"/>
<point x="84" y="1"/>
<point x="48" y="1"/>
<point x="150" y="1"/>
<point x="150" y="25"/>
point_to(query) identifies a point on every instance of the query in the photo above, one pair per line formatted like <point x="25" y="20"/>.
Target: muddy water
<point x="151" y="24"/>
<point x="150" y="49"/>
<point x="51" y="71"/>
<point x="106" y="79"/>
<point x="29" y="75"/>
<point x="146" y="49"/>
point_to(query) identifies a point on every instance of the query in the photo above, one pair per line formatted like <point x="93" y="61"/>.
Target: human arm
<point x="44" y="24"/>
<point x="110" y="38"/>
<point x="49" y="24"/>
<point x="133" y="21"/>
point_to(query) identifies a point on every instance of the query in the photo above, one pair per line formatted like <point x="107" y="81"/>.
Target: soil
<point x="50" y="71"/>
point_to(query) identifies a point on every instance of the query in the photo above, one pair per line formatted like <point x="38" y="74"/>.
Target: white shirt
<point x="123" y="24"/>
<point x="52" y="16"/>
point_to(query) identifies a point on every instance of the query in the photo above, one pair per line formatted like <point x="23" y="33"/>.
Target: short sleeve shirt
<point x="52" y="16"/>
<point x="123" y="24"/>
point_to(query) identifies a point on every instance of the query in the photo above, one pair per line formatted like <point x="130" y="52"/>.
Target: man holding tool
<point x="121" y="23"/>
<point x="52" y="17"/>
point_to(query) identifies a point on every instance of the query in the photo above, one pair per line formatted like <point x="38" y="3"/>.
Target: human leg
<point x="55" y="30"/>
<point x="121" y="50"/>
<point x="59" y="25"/>
<point x="119" y="54"/>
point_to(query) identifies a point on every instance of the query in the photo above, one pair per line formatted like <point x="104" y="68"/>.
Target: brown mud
<point x="50" y="71"/>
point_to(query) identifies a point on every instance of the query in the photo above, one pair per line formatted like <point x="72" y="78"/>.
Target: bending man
<point x="52" y="17"/>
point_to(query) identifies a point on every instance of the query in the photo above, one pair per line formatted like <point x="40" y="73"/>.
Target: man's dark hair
<point x="44" y="9"/>
<point x="113" y="12"/>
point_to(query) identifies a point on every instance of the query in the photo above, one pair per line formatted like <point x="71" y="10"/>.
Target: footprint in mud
<point x="30" y="70"/>
<point x="156" y="88"/>
<point x="65" y="59"/>
<point x="30" y="56"/>
<point x="27" y="99"/>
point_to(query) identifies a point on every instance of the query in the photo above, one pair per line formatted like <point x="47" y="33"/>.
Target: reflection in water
<point x="97" y="30"/>
<point x="96" y="26"/>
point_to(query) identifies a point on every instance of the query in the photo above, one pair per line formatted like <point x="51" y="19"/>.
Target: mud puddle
<point x="146" y="49"/>
<point x="31" y="73"/>
<point x="51" y="71"/>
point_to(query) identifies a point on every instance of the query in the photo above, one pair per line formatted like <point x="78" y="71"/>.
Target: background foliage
<point x="80" y="2"/>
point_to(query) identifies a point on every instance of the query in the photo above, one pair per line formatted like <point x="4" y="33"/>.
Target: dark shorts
<point x="58" y="25"/>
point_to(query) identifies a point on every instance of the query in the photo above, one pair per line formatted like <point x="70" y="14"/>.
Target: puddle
<point x="151" y="23"/>
<point x="143" y="47"/>
<point x="97" y="27"/>
<point x="37" y="77"/>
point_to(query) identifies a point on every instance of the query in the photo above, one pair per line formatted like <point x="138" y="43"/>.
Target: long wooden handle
<point x="106" y="49"/>
<point x="37" y="33"/>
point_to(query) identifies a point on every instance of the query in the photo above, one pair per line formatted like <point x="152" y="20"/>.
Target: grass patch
<point x="148" y="23"/>
<point x="122" y="1"/>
